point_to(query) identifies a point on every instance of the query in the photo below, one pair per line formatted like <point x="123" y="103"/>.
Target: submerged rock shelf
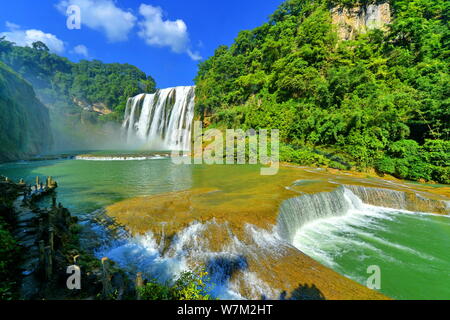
<point x="239" y="228"/>
<point x="237" y="224"/>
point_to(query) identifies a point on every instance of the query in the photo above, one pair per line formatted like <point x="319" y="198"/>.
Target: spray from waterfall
<point x="160" y="121"/>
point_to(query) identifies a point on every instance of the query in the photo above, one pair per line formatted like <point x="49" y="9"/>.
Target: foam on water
<point x="190" y="249"/>
<point x="118" y="158"/>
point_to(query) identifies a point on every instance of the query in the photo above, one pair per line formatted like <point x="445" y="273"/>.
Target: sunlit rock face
<point x="162" y="120"/>
<point x="360" y="19"/>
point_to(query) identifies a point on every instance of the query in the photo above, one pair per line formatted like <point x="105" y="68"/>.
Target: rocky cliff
<point x="99" y="108"/>
<point x="24" y="120"/>
<point x="359" y="19"/>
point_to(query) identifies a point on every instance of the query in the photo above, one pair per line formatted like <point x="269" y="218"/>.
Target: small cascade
<point x="399" y="200"/>
<point x="226" y="262"/>
<point x="402" y="243"/>
<point x="380" y="196"/>
<point x="296" y="212"/>
<point x="162" y="120"/>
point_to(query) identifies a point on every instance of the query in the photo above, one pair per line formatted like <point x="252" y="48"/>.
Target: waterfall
<point x="410" y="201"/>
<point x="296" y="212"/>
<point x="162" y="120"/>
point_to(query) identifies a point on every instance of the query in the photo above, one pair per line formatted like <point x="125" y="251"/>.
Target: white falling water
<point x="298" y="211"/>
<point x="162" y="120"/>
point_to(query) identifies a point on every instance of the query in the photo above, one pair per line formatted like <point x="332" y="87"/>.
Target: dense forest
<point x="379" y="100"/>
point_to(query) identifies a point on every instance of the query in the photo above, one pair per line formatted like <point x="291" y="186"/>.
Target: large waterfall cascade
<point x="162" y="120"/>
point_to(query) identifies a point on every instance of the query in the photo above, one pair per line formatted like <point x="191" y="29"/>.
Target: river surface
<point x="412" y="250"/>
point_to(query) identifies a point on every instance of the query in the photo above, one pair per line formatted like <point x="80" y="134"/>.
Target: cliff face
<point x="360" y="19"/>
<point x="24" y="120"/>
<point x="100" y="108"/>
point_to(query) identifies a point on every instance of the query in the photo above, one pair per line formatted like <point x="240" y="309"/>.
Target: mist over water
<point x="78" y="135"/>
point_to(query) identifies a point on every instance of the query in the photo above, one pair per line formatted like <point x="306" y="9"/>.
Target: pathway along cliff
<point x="47" y="241"/>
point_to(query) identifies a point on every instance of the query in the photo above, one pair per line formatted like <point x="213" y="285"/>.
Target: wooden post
<point x="25" y="194"/>
<point x="40" y="228"/>
<point x="42" y="254"/>
<point x="51" y="219"/>
<point x="51" y="237"/>
<point x="52" y="183"/>
<point x="37" y="182"/>
<point x="67" y="218"/>
<point x="48" y="263"/>
<point x="106" y="279"/>
<point x="53" y="201"/>
<point x="139" y="284"/>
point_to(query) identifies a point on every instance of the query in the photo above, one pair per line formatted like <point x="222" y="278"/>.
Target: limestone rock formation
<point x="99" y="107"/>
<point x="360" y="19"/>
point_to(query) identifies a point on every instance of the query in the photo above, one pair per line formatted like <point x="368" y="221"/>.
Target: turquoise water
<point x="412" y="250"/>
<point x="89" y="185"/>
<point x="85" y="186"/>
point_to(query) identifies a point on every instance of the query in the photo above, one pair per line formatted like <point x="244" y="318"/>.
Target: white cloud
<point x="104" y="16"/>
<point x="81" y="50"/>
<point x="194" y="55"/>
<point x="27" y="37"/>
<point x="164" y="33"/>
<point x="12" y="26"/>
<point x="155" y="31"/>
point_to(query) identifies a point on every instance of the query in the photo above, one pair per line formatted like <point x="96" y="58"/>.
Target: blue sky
<point x="164" y="38"/>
